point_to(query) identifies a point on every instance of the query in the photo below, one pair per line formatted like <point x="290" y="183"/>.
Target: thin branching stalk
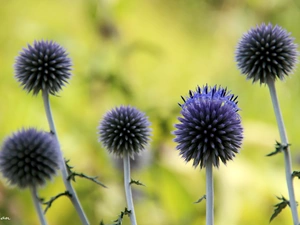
<point x="287" y="156"/>
<point x="127" y="186"/>
<point x="37" y="205"/>
<point x="209" y="193"/>
<point x="68" y="185"/>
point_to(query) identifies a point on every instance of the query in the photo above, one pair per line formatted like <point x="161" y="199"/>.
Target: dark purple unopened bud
<point x="266" y="53"/>
<point x="43" y="66"/>
<point x="124" y="130"/>
<point x="29" y="157"/>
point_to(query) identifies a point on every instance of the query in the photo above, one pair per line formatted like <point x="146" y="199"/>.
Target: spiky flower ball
<point x="210" y="126"/>
<point x="29" y="157"/>
<point x="43" y="66"/>
<point x="123" y="130"/>
<point x="266" y="53"/>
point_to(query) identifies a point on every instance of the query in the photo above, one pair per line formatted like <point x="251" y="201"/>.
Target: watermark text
<point x="4" y="218"/>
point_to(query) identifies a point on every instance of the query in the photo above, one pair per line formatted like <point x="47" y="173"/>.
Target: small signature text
<point x="4" y="218"/>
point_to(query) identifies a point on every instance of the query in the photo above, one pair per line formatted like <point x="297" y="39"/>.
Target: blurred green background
<point x="147" y="53"/>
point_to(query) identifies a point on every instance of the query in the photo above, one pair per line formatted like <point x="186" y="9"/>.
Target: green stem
<point x="287" y="157"/>
<point x="68" y="185"/>
<point x="38" y="206"/>
<point x="209" y="193"/>
<point x="127" y="186"/>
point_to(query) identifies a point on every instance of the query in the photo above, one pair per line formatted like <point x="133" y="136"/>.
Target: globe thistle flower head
<point x="123" y="130"/>
<point x="266" y="52"/>
<point x="29" y="157"/>
<point x="209" y="127"/>
<point x="43" y="66"/>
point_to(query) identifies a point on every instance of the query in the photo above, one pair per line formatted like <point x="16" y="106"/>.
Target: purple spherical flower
<point x="29" y="157"/>
<point x="43" y="66"/>
<point x="266" y="53"/>
<point x="210" y="126"/>
<point x="123" y="130"/>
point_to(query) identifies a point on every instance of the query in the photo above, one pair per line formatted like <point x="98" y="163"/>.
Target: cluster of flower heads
<point x="124" y="129"/>
<point x="29" y="157"/>
<point x="210" y="127"/>
<point x="44" y="66"/>
<point x="266" y="52"/>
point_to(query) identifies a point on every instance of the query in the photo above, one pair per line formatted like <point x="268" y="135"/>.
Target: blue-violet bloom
<point x="209" y="127"/>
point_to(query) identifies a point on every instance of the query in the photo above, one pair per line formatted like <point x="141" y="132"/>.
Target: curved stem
<point x="127" y="186"/>
<point x="38" y="206"/>
<point x="68" y="185"/>
<point x="287" y="157"/>
<point x="209" y="193"/>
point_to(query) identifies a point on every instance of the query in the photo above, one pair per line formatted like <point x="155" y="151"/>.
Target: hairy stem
<point x="127" y="186"/>
<point x="68" y="185"/>
<point x="287" y="156"/>
<point x="209" y="193"/>
<point x="38" y="206"/>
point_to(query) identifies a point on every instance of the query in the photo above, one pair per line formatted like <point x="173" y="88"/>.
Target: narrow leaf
<point x="137" y="182"/>
<point x="49" y="203"/>
<point x="296" y="174"/>
<point x="73" y="174"/>
<point x="279" y="148"/>
<point x="279" y="207"/>
<point x="94" y="179"/>
<point x="119" y="221"/>
<point x="200" y="199"/>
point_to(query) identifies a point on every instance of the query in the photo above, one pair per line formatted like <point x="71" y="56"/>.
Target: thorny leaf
<point x="72" y="175"/>
<point x="137" y="182"/>
<point x="200" y="199"/>
<point x="279" y="207"/>
<point x="69" y="168"/>
<point x="49" y="203"/>
<point x="94" y="179"/>
<point x="279" y="148"/>
<point x="119" y="221"/>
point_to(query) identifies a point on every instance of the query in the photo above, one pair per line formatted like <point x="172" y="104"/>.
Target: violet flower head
<point x="124" y="129"/>
<point x="43" y="66"/>
<point x="29" y="157"/>
<point x="266" y="52"/>
<point x="209" y="127"/>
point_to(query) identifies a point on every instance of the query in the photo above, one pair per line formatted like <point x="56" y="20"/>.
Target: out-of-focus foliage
<point x="147" y="54"/>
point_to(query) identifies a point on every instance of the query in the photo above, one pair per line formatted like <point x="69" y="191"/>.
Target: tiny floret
<point x="266" y="53"/>
<point x="209" y="128"/>
<point x="124" y="130"/>
<point x="29" y="157"/>
<point x="43" y="66"/>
